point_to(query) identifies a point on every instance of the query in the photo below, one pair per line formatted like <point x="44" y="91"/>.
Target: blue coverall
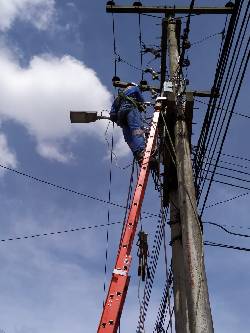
<point x="126" y="114"/>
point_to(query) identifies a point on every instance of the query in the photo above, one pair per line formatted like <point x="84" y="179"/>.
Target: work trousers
<point x="133" y="129"/>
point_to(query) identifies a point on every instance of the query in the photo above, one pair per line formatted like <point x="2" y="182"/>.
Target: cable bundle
<point x="152" y="269"/>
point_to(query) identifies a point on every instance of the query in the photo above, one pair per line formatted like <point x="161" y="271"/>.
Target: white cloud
<point x="37" y="12"/>
<point x="7" y="157"/>
<point x="40" y="97"/>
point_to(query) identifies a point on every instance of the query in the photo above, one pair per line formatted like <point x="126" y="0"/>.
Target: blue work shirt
<point x="132" y="92"/>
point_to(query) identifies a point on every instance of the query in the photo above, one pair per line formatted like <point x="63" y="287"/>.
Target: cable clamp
<point x="174" y="239"/>
<point x="120" y="272"/>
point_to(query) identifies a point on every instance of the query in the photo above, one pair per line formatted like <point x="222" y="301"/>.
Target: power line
<point x="227" y="246"/>
<point x="54" y="233"/>
<point x="210" y="117"/>
<point x="206" y="38"/>
<point x="108" y="215"/>
<point x="229" y="184"/>
<point x="226" y="86"/>
<point x="242" y="69"/>
<point x="227" y="200"/>
<point x="226" y="230"/>
<point x="66" y="189"/>
<point x="103" y="225"/>
<point x="236" y="113"/>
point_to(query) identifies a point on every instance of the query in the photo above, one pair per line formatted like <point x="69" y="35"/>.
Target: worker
<point x="126" y="112"/>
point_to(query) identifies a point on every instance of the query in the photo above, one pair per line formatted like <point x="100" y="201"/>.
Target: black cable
<point x="114" y="43"/>
<point x="228" y="176"/>
<point x="236" y="113"/>
<point x="129" y="196"/>
<point x="227" y="162"/>
<point x="151" y="15"/>
<point x="231" y="68"/>
<point x="206" y="38"/>
<point x="229" y="184"/>
<point x="229" y="119"/>
<point x="186" y="34"/>
<point x="227" y="200"/>
<point x="225" y="89"/>
<point x="39" y="180"/>
<point x="236" y="157"/>
<point x="227" y="246"/>
<point x="54" y="233"/>
<point x="223" y="56"/>
<point x="152" y="269"/>
<point x="108" y="216"/>
<point x="140" y="45"/>
<point x="61" y="232"/>
<point x="164" y="304"/>
<point x="220" y="71"/>
<point x="120" y="59"/>
<point x="231" y="169"/>
<point x="226" y="230"/>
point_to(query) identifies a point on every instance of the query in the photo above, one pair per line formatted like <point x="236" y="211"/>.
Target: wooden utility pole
<point x="195" y="286"/>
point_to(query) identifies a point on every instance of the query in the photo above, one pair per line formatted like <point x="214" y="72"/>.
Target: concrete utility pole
<point x="195" y="286"/>
<point x="171" y="188"/>
<point x="192" y="308"/>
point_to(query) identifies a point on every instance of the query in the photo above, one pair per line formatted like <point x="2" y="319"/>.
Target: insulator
<point x="115" y="79"/>
<point x="187" y="82"/>
<point x="230" y="4"/>
<point x="186" y="63"/>
<point x="110" y="3"/>
<point x="155" y="76"/>
<point x="186" y="44"/>
<point x="137" y="4"/>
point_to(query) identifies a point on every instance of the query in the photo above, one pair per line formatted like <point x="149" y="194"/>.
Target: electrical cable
<point x="244" y="66"/>
<point x="220" y="72"/>
<point x="61" y="232"/>
<point x="227" y="200"/>
<point x="228" y="163"/>
<point x="186" y="34"/>
<point x="140" y="45"/>
<point x="69" y="230"/>
<point x="227" y="82"/>
<point x="227" y="246"/>
<point x="226" y="230"/>
<point x="225" y="88"/>
<point x="236" y="113"/>
<point x="164" y="305"/>
<point x="166" y="260"/>
<point x="66" y="189"/>
<point x="129" y="196"/>
<point x="217" y="129"/>
<point x="108" y="216"/>
<point x="206" y="38"/>
<point x="229" y="184"/>
<point x="158" y="237"/>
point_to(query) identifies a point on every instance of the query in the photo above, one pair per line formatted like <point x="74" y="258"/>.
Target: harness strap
<point x="130" y="99"/>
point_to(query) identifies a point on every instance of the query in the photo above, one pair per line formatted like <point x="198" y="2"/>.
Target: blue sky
<point x="56" y="56"/>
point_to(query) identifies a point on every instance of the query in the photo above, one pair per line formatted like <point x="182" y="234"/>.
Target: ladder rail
<point x="116" y="296"/>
